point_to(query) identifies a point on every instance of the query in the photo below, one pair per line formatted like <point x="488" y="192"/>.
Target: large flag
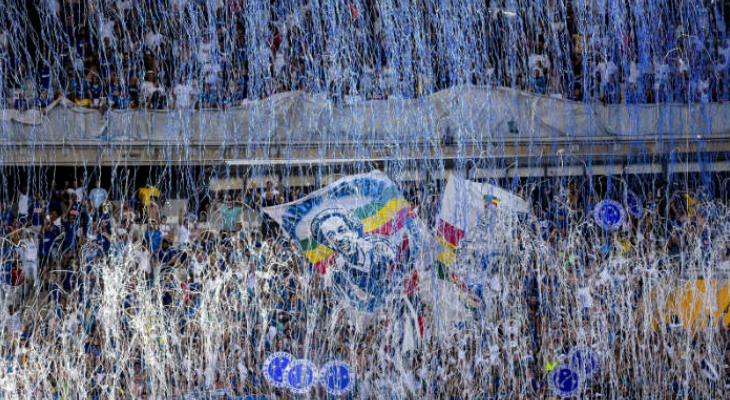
<point x="697" y="303"/>
<point x="476" y="215"/>
<point x="362" y="232"/>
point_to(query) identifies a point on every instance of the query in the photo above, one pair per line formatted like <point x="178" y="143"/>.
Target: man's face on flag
<point x="340" y="237"/>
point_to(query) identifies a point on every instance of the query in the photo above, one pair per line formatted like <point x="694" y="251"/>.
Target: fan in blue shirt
<point x="8" y="217"/>
<point x="37" y="211"/>
<point x="153" y="237"/>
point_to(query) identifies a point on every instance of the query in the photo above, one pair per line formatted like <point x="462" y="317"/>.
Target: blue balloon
<point x="275" y="367"/>
<point x="584" y="360"/>
<point x="98" y="196"/>
<point x="336" y="377"/>
<point x="564" y="381"/>
<point x="301" y="375"/>
<point x="634" y="204"/>
<point x="609" y="214"/>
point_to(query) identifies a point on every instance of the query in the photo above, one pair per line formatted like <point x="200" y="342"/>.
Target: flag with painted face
<point x="361" y="232"/>
<point x="473" y="216"/>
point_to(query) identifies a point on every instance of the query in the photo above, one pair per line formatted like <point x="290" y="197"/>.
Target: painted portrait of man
<point x="363" y="262"/>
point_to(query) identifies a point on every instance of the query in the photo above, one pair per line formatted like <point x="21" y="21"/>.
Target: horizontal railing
<point x="464" y="114"/>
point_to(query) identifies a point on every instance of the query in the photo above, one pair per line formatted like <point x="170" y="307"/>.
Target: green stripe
<point x="363" y="212"/>
<point x="442" y="270"/>
<point x="308" y="244"/>
<point x="376" y="205"/>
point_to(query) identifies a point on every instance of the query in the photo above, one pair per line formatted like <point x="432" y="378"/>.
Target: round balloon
<point x="609" y="214"/>
<point x="275" y="367"/>
<point x="336" y="377"/>
<point x="634" y="204"/>
<point x="584" y="360"/>
<point x="301" y="375"/>
<point x="564" y="381"/>
<point x="98" y="196"/>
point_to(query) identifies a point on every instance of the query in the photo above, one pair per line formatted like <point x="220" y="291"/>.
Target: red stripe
<point x="403" y="254"/>
<point x="459" y="282"/>
<point x="410" y="284"/>
<point x="321" y="266"/>
<point x="449" y="233"/>
<point x="395" y="224"/>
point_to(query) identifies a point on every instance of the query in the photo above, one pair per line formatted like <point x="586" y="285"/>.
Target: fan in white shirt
<point x="150" y="86"/>
<point x="142" y="258"/>
<point x="29" y="255"/>
<point x="183" y="235"/>
<point x="199" y="264"/>
<point x="538" y="61"/>
<point x="23" y="203"/>
<point x="106" y="29"/>
<point x="183" y="95"/>
<point x="606" y="69"/>
<point x="634" y="72"/>
<point x="124" y="5"/>
<point x="153" y="40"/>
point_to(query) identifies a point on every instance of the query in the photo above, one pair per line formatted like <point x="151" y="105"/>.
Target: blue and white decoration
<point x="98" y="196"/>
<point x="336" y="377"/>
<point x="301" y="376"/>
<point x="584" y="360"/>
<point x="564" y="381"/>
<point x="609" y="214"/>
<point x="634" y="204"/>
<point x="275" y="367"/>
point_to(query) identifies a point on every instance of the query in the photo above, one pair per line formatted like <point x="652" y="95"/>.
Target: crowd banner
<point x="473" y="216"/>
<point x="478" y="113"/>
<point x="361" y="234"/>
<point x="698" y="303"/>
<point x="467" y="207"/>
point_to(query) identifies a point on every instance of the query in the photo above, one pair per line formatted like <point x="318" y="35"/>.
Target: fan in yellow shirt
<point x="147" y="193"/>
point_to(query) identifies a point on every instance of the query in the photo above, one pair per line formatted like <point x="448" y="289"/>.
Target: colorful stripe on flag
<point x="449" y="233"/>
<point x="490" y="200"/>
<point x="385" y="215"/>
<point x="450" y="236"/>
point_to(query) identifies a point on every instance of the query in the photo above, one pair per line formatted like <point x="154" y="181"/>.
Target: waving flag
<point x="472" y="212"/>
<point x="467" y="206"/>
<point x="362" y="231"/>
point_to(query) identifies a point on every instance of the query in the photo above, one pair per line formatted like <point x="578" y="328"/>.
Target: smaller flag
<point x="550" y="365"/>
<point x="490" y="200"/>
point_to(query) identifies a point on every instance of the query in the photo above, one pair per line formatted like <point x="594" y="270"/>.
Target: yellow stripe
<point x="318" y="254"/>
<point x="385" y="214"/>
<point x="445" y="243"/>
<point x="447" y="254"/>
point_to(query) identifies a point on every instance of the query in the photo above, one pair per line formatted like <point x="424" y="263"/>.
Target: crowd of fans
<point x="195" y="54"/>
<point x="99" y="298"/>
<point x="128" y="297"/>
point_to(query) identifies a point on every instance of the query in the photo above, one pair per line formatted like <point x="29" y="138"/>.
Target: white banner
<point x="469" y="113"/>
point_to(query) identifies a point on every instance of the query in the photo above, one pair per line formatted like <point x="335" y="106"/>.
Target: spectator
<point x="23" y="204"/>
<point x="230" y="214"/>
<point x="42" y="101"/>
<point x="153" y="236"/>
<point x="96" y="93"/>
<point x="38" y="212"/>
<point x="21" y="104"/>
<point x="183" y="95"/>
<point x="268" y="226"/>
<point x="539" y="83"/>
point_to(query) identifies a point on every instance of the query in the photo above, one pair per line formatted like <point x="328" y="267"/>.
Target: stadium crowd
<point x="122" y="55"/>
<point x="215" y="295"/>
